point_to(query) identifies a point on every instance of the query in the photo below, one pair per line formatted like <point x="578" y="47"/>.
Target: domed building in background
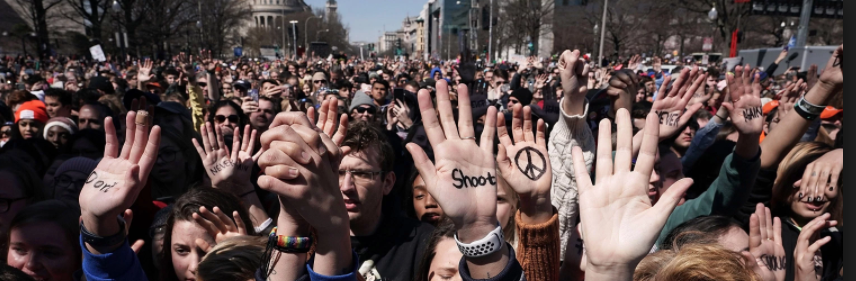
<point x="270" y="13"/>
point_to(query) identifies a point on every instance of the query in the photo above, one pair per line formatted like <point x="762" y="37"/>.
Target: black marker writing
<point x="752" y="113"/>
<point x="837" y="62"/>
<point x="668" y="119"/>
<point x="101" y="185"/>
<point x="464" y="181"/>
<point x="532" y="170"/>
<point x="774" y="263"/>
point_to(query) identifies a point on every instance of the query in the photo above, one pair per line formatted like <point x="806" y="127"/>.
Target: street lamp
<point x="306" y="28"/>
<point x="712" y="14"/>
<point x="319" y="33"/>
<point x="294" y="30"/>
<point x="594" y="41"/>
<point x="116" y="6"/>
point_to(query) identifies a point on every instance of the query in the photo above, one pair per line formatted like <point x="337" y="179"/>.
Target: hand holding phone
<point x="254" y="93"/>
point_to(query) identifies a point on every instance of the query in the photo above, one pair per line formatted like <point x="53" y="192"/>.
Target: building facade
<point x="270" y="13"/>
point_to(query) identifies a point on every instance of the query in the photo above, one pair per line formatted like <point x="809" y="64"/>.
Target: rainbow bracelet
<point x="289" y="244"/>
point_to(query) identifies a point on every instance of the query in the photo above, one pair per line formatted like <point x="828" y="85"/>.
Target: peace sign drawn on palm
<point x="523" y="159"/>
<point x="463" y="179"/>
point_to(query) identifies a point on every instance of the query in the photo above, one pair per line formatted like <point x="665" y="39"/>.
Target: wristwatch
<point x="490" y="244"/>
<point x="98" y="241"/>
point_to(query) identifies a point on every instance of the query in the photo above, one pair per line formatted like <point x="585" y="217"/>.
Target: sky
<point x="366" y="18"/>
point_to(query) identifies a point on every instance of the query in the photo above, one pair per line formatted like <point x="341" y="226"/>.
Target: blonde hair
<point x="694" y="262"/>
<point x="237" y="258"/>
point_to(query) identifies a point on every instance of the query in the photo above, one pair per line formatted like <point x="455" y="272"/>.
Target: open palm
<point x="523" y="159"/>
<point x="744" y="86"/>
<point x="617" y="211"/>
<point x="671" y="107"/>
<point x="117" y="180"/>
<point x="227" y="170"/>
<point x="463" y="179"/>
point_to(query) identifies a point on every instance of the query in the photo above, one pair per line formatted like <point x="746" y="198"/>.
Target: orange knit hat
<point x="33" y="109"/>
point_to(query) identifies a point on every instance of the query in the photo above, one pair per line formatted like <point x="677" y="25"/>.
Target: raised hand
<point x="209" y="63"/>
<point x="301" y="165"/>
<point x="806" y="254"/>
<point x="402" y="113"/>
<point x="765" y="245"/>
<point x="619" y="223"/>
<point x="833" y="75"/>
<point x="573" y="72"/>
<point x="633" y="64"/>
<point x="671" y="107"/>
<point x="525" y="164"/>
<point x="463" y="179"/>
<point x="744" y="86"/>
<point x="218" y="225"/>
<point x="145" y="73"/>
<point x="117" y="180"/>
<point x="227" y="171"/>
<point x="820" y="178"/>
<point x="657" y="65"/>
<point x="622" y="89"/>
<point x="789" y="96"/>
<point x="326" y="122"/>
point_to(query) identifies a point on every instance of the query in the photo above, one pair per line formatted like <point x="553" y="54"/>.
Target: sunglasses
<point x="500" y="82"/>
<point x="514" y="101"/>
<point x="202" y="84"/>
<point x="220" y="118"/>
<point x="361" y="110"/>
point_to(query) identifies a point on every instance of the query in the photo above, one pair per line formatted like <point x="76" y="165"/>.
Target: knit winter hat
<point x="360" y="98"/>
<point x="64" y="122"/>
<point x="79" y="164"/>
<point x="32" y="110"/>
<point x="523" y="95"/>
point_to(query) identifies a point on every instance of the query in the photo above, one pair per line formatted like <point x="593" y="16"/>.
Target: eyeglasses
<point x="6" y="203"/>
<point x="514" y="101"/>
<point x="232" y="118"/>
<point x="359" y="175"/>
<point x="202" y="84"/>
<point x="499" y="82"/>
<point x="361" y="110"/>
<point x="65" y="181"/>
<point x="318" y="81"/>
<point x="6" y="133"/>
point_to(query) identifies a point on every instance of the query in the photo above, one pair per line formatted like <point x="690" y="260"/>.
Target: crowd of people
<point x="201" y="168"/>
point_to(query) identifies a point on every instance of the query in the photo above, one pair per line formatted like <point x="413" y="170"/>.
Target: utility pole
<point x="294" y="30"/>
<point x="282" y="24"/>
<point x="602" y="32"/>
<point x="805" y="16"/>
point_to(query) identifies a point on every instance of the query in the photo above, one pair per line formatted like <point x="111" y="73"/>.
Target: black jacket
<point x="395" y="249"/>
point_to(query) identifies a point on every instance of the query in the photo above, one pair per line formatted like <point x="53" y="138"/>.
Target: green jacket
<point x="724" y="197"/>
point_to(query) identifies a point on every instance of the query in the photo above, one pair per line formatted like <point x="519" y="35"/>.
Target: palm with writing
<point x="227" y="171"/>
<point x="744" y="86"/>
<point x="470" y="204"/>
<point x="808" y="244"/>
<point x="671" y="107"/>
<point x="618" y="219"/>
<point x="523" y="159"/>
<point x="766" y="254"/>
<point x="117" y="180"/>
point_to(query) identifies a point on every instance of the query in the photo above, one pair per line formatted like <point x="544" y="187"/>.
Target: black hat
<point x="102" y="83"/>
<point x="243" y="84"/>
<point x="132" y="94"/>
<point x="523" y="95"/>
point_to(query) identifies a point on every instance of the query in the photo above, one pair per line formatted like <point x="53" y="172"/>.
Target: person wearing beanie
<point x="362" y="107"/>
<point x="59" y="130"/>
<point x="70" y="177"/>
<point x="31" y="117"/>
<point x="522" y="96"/>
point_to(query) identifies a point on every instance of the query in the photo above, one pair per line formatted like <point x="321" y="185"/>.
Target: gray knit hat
<point x="360" y="98"/>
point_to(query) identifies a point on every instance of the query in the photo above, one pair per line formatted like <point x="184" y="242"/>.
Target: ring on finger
<point x="142" y="118"/>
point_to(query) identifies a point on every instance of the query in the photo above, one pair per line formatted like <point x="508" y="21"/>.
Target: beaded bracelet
<point x="289" y="244"/>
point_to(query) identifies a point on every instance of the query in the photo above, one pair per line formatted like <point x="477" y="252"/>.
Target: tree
<point x="39" y="13"/>
<point x="163" y="20"/>
<point x="89" y="13"/>
<point x="527" y="18"/>
<point x="730" y="17"/>
<point x="220" y="20"/>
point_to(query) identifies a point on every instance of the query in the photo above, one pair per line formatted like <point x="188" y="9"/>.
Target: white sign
<point x="705" y="59"/>
<point x="97" y="53"/>
<point x="708" y="44"/>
